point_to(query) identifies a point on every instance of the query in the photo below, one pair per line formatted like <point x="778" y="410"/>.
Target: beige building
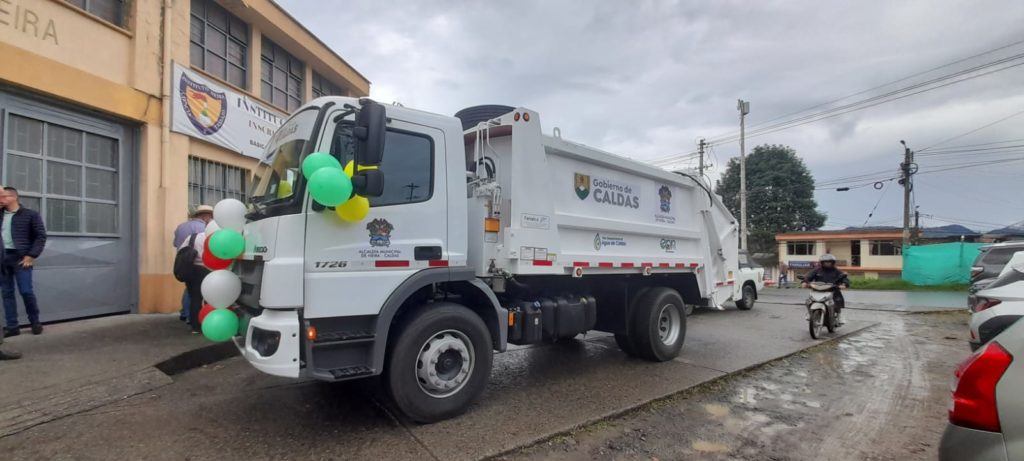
<point x="116" y="116"/>
<point x="863" y="253"/>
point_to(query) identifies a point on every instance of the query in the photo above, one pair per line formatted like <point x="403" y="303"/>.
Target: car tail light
<point x="974" y="389"/>
<point x="985" y="303"/>
<point x="976" y="270"/>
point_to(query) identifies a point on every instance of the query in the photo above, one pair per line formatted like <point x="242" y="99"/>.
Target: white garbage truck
<point x="483" y="231"/>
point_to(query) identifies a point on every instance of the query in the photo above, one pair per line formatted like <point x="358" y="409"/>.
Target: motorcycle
<point x="821" y="308"/>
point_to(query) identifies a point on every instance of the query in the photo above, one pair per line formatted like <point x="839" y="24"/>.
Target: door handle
<point x="427" y="253"/>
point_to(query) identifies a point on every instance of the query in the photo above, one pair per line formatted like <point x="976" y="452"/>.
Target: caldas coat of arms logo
<point x="380" y="232"/>
<point x="582" y="186"/>
<point x="597" y="242"/>
<point x="205" y="108"/>
<point x="666" y="199"/>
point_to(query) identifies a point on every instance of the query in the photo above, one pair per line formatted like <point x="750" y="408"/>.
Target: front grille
<point x="251" y="275"/>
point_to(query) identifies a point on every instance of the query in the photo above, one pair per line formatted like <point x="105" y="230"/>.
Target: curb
<point x="628" y="409"/>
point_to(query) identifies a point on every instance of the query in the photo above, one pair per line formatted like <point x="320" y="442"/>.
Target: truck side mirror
<point x="368" y="183"/>
<point x="369" y="132"/>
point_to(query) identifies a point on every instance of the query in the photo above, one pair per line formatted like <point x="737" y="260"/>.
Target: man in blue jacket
<point x="23" y="237"/>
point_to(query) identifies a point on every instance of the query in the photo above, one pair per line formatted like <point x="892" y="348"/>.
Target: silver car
<point x="986" y="419"/>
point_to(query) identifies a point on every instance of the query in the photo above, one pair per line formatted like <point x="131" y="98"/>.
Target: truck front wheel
<point x="748" y="296"/>
<point x="439" y="363"/>
<point x="659" y="324"/>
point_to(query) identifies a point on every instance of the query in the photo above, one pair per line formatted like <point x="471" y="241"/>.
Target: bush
<point x="861" y="283"/>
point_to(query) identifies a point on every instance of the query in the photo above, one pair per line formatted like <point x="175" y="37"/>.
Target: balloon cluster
<point x="331" y="186"/>
<point x="224" y="243"/>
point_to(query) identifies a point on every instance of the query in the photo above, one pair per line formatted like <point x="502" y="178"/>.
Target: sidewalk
<point x="80" y="365"/>
<point x="884" y="300"/>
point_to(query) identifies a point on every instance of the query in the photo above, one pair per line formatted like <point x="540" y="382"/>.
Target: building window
<point x="324" y="87"/>
<point x="112" y="11"/>
<point x="885" y="248"/>
<point x="210" y="182"/>
<point x="219" y="42"/>
<point x="800" y="248"/>
<point x="282" y="76"/>
<point x="68" y="175"/>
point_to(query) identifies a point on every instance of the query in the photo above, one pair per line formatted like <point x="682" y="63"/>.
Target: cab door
<point x="352" y="268"/>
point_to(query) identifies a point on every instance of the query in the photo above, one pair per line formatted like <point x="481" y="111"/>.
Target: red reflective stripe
<point x="438" y="263"/>
<point x="542" y="262"/>
<point x="694" y="265"/>
<point x="580" y="264"/>
<point x="391" y="263"/>
<point x="627" y="265"/>
<point x="719" y="284"/>
<point x="605" y="265"/>
<point x="664" y="265"/>
<point x="646" y="265"/>
<point x="680" y="265"/>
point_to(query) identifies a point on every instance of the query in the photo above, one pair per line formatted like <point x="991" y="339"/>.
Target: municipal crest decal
<point x="380" y="232"/>
<point x="205" y="108"/>
<point x="666" y="199"/>
<point x="597" y="242"/>
<point x="582" y="186"/>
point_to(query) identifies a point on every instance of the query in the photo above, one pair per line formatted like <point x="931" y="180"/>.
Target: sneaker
<point x="8" y="332"/>
<point x="37" y="329"/>
<point x="10" y="355"/>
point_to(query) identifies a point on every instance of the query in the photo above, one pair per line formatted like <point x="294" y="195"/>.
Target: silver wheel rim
<point x="445" y="363"/>
<point x="669" y="324"/>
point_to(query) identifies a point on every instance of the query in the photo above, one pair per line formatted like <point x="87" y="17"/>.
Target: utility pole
<point x="908" y="169"/>
<point x="917" y="224"/>
<point x="744" y="108"/>
<point x="700" y="162"/>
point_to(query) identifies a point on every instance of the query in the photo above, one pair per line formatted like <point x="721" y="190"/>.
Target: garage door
<point x="76" y="169"/>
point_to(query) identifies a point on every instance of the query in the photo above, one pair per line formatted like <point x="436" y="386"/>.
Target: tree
<point x="780" y="195"/>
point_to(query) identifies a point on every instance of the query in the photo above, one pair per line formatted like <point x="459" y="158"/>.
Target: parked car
<point x="986" y="420"/>
<point x="990" y="263"/>
<point x="999" y="305"/>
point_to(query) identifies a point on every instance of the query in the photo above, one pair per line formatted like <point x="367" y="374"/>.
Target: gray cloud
<point x="645" y="79"/>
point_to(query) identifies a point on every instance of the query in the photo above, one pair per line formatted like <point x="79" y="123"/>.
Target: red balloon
<point x="212" y="262"/>
<point x="204" y="311"/>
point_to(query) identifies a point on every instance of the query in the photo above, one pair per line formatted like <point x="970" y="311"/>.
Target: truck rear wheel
<point x="439" y="362"/>
<point x="625" y="344"/>
<point x="748" y="296"/>
<point x="659" y="324"/>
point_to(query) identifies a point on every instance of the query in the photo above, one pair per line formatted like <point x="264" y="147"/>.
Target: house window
<point x="800" y="248"/>
<point x="219" y="42"/>
<point x="112" y="11"/>
<point x="69" y="175"/>
<point x="281" y="76"/>
<point x="885" y="248"/>
<point x="210" y="182"/>
<point x="324" y="87"/>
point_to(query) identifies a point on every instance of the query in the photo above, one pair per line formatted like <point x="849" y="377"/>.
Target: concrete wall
<point x="65" y="54"/>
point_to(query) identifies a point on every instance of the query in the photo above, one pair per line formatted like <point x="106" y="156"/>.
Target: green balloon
<point x="317" y="160"/>
<point x="220" y="325"/>
<point x="330" y="187"/>
<point x="227" y="243"/>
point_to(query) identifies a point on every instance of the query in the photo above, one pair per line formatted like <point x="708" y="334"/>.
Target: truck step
<point x="350" y="372"/>
<point x="336" y="336"/>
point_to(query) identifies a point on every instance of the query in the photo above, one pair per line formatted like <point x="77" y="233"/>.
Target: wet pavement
<point x="229" y="410"/>
<point x="881" y="394"/>
<point x="884" y="300"/>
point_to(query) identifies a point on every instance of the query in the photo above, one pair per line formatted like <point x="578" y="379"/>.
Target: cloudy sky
<point x="645" y="79"/>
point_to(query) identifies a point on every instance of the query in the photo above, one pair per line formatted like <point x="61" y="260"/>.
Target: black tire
<point x="814" y="322"/>
<point x="625" y="344"/>
<point x="748" y="295"/>
<point x="446" y="324"/>
<point x="659" y="324"/>
<point x="688" y="309"/>
<point x="830" y="319"/>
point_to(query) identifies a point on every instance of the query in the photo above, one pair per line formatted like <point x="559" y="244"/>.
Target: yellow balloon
<point x="350" y="166"/>
<point x="354" y="210"/>
<point x="284" y="189"/>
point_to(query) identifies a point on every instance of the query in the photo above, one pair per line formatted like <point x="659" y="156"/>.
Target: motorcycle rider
<point x="827" y="272"/>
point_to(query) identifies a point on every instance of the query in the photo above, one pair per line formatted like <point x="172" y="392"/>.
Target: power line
<point x="872" y="213"/>
<point x="973" y="131"/>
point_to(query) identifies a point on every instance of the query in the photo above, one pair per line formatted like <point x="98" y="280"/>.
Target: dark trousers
<point x="840" y="302"/>
<point x="195" y="295"/>
<point x="12" y="273"/>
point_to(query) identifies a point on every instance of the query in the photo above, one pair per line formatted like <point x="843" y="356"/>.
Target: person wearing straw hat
<point x="196" y="224"/>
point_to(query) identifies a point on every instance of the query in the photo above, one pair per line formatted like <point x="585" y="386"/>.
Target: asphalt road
<point x="231" y="411"/>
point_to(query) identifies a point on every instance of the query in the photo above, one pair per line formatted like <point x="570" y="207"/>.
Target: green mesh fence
<point x="940" y="263"/>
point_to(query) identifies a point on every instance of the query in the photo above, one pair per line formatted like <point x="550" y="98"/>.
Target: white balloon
<point x="221" y="288"/>
<point x="230" y="214"/>
<point x="212" y="227"/>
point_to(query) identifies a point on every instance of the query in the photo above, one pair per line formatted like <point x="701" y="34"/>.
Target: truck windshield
<point x="277" y="176"/>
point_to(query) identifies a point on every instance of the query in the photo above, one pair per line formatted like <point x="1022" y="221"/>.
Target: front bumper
<point x="285" y="359"/>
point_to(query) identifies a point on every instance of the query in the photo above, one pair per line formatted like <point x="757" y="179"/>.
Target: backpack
<point x="185" y="260"/>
